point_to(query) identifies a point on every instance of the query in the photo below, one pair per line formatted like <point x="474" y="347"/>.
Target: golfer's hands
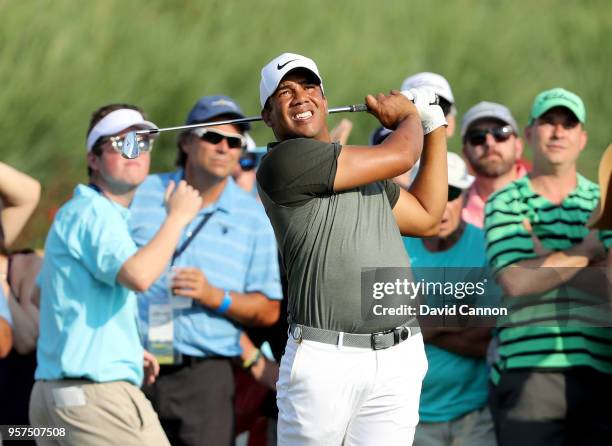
<point x="431" y="114"/>
<point x="151" y="368"/>
<point x="390" y="109"/>
<point x="191" y="282"/>
<point x="182" y="201"/>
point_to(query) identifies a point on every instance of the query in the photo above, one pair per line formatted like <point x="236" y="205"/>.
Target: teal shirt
<point x="454" y="385"/>
<point x="88" y="321"/>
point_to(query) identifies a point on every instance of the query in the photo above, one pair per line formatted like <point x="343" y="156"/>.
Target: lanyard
<point x="180" y="249"/>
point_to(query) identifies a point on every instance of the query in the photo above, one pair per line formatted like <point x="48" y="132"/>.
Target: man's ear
<point x="518" y="147"/>
<point x="183" y="141"/>
<point x="584" y="138"/>
<point x="93" y="161"/>
<point x="528" y="132"/>
<point x="265" y="114"/>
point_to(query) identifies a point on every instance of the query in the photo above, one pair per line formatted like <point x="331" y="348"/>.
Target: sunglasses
<point x="212" y="136"/>
<point x="145" y="144"/>
<point x="454" y="193"/>
<point x="479" y="136"/>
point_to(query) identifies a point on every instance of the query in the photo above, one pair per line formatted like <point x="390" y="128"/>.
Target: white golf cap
<point x="433" y="80"/>
<point x="277" y="68"/>
<point x="487" y="110"/>
<point x="115" y="122"/>
<point x="458" y="175"/>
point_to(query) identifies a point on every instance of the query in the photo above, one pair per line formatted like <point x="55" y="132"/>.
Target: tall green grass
<point x="62" y="59"/>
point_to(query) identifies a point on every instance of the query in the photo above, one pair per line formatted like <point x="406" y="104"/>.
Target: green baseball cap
<point x="557" y="97"/>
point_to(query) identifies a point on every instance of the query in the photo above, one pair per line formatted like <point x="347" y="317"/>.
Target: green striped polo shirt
<point x="563" y="327"/>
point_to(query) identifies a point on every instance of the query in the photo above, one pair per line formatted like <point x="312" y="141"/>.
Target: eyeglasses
<point x="145" y="143"/>
<point x="478" y="137"/>
<point x="212" y="136"/>
<point x="454" y="193"/>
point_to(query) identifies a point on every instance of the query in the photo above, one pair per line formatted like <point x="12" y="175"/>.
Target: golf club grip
<point x="358" y="108"/>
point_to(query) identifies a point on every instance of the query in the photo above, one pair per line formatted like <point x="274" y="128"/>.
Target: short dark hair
<point x="98" y="115"/>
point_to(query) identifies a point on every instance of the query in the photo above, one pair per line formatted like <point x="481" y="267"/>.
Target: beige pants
<point x="472" y="429"/>
<point x="95" y="414"/>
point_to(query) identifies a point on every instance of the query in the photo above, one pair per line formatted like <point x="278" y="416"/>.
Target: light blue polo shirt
<point x="88" y="321"/>
<point x="5" y="312"/>
<point x="454" y="384"/>
<point x="236" y="250"/>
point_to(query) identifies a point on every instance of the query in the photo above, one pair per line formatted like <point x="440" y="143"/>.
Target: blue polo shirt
<point x="454" y="384"/>
<point x="235" y="249"/>
<point x="88" y="321"/>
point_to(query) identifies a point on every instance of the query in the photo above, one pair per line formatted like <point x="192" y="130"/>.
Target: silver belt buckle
<point x="296" y="333"/>
<point x="376" y="339"/>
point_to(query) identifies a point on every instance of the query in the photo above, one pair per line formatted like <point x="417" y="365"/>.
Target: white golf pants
<point x="330" y="395"/>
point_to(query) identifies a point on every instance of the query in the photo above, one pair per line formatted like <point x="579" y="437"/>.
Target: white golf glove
<point x="431" y="114"/>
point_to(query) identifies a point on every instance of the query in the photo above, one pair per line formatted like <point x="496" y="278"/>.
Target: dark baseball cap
<point x="210" y="107"/>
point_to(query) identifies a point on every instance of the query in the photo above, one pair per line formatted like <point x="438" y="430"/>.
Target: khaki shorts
<point x="95" y="413"/>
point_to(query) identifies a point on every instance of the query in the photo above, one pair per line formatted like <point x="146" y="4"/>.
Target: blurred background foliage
<point x="62" y="59"/>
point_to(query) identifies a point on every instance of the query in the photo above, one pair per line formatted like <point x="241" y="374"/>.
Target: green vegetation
<point x="62" y="59"/>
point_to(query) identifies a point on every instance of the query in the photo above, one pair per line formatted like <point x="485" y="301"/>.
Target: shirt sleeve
<point x="100" y="239"/>
<point x="263" y="274"/>
<point x="297" y="170"/>
<point x="393" y="192"/>
<point x="605" y="235"/>
<point x="507" y="240"/>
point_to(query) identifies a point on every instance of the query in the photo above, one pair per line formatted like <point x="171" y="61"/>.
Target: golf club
<point x="131" y="150"/>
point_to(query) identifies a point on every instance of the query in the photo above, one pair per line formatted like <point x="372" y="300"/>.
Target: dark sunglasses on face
<point x="145" y="143"/>
<point x="478" y="137"/>
<point x="454" y="193"/>
<point x="213" y="136"/>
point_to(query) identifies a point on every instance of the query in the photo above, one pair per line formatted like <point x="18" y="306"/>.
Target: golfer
<point x="343" y="379"/>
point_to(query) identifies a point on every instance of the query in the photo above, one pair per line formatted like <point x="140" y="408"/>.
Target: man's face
<point x="213" y="153"/>
<point x="118" y="172"/>
<point x="557" y="137"/>
<point x="451" y="219"/>
<point x="298" y="108"/>
<point x="493" y="154"/>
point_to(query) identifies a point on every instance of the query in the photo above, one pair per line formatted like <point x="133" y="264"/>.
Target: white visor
<point x="115" y="122"/>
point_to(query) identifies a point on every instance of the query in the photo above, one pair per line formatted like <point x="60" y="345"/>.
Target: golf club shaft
<point x="348" y="108"/>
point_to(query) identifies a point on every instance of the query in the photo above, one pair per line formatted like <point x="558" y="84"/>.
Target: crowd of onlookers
<point x="160" y="296"/>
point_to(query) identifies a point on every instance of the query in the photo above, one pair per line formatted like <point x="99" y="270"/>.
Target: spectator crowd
<point x="170" y="308"/>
